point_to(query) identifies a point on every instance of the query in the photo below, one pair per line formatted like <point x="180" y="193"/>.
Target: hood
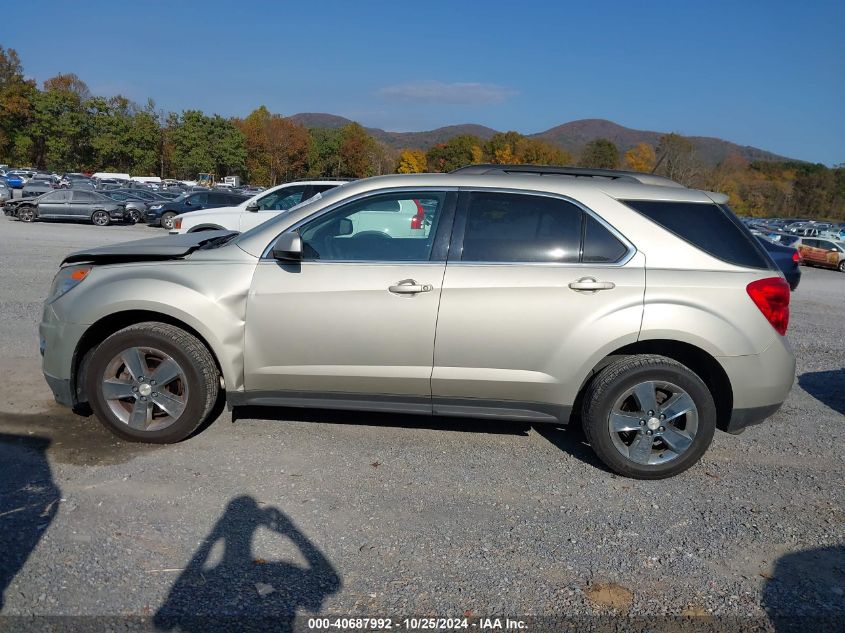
<point x="153" y="249"/>
<point x="196" y="216"/>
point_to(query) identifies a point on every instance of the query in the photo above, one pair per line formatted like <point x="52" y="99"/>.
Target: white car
<point x="253" y="211"/>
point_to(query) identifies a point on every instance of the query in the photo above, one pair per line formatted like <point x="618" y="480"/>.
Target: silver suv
<point x="641" y="309"/>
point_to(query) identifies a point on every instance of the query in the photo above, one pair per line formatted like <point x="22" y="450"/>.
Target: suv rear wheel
<point x="152" y="382"/>
<point x="648" y="417"/>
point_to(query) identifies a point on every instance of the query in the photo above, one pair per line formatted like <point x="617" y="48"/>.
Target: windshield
<point x="316" y="198"/>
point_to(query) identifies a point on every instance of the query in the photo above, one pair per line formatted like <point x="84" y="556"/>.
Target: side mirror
<point x="288" y="247"/>
<point x="345" y="227"/>
<point x="187" y="202"/>
<point x="252" y="206"/>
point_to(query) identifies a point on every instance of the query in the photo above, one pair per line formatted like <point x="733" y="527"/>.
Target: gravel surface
<point x="298" y="512"/>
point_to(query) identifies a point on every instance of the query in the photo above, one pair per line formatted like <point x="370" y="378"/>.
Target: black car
<point x="786" y="258"/>
<point x="162" y="213"/>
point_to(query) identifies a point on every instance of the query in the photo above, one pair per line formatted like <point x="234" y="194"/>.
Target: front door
<point x="271" y="204"/>
<point x="355" y="319"/>
<point x="54" y="204"/>
<point x="535" y="286"/>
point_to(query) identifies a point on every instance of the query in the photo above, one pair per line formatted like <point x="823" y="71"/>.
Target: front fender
<point x="208" y="297"/>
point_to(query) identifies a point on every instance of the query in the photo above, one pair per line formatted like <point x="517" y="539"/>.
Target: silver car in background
<point x="641" y="309"/>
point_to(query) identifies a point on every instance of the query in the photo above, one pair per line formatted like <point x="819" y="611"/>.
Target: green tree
<point x="16" y="109"/>
<point x="205" y="144"/>
<point x="324" y="153"/>
<point x="600" y="154"/>
<point x="456" y="152"/>
<point x="61" y="125"/>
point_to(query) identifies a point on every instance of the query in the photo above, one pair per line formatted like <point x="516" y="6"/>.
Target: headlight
<point x="67" y="278"/>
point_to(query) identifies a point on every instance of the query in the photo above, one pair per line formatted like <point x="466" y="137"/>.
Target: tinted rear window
<point x="708" y="227"/>
<point x="600" y="245"/>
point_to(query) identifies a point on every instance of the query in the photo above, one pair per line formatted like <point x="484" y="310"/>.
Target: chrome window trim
<point x="366" y="194"/>
<point x="631" y="249"/>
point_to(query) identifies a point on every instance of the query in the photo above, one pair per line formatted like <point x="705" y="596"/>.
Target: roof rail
<point x="571" y="172"/>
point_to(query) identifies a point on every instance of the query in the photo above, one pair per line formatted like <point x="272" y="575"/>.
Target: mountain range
<point x="570" y="136"/>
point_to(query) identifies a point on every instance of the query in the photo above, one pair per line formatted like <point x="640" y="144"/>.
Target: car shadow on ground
<point x="568" y="438"/>
<point x="807" y="591"/>
<point x="827" y="387"/>
<point x="225" y="587"/>
<point x="29" y="500"/>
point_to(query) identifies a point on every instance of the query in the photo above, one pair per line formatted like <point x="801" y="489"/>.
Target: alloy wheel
<point x="145" y="388"/>
<point x="653" y="422"/>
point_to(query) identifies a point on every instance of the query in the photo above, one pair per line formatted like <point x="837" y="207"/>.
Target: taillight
<point x="177" y="223"/>
<point x="771" y="296"/>
<point x="418" y="219"/>
<point x="796" y="257"/>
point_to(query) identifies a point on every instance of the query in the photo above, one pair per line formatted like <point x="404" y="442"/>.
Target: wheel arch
<point x="206" y="227"/>
<point x="108" y="325"/>
<point x="702" y="363"/>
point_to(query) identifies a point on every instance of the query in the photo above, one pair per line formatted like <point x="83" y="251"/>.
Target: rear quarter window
<point x="709" y="227"/>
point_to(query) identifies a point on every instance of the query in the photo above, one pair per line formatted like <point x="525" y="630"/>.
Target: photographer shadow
<point x="240" y="592"/>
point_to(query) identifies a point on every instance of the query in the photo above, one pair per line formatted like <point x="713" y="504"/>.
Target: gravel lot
<point x="391" y="516"/>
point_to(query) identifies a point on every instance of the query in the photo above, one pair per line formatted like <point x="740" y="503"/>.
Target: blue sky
<point x="768" y="74"/>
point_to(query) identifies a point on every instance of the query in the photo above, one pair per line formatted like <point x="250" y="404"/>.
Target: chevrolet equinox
<point x="637" y="307"/>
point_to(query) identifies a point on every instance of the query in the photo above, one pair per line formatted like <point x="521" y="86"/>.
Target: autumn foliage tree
<point x="412" y="161"/>
<point x="276" y="147"/>
<point x="464" y="149"/>
<point x="641" y="157"/>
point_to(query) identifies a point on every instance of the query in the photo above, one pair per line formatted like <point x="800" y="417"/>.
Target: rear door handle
<point x="409" y="287"/>
<point x="589" y="284"/>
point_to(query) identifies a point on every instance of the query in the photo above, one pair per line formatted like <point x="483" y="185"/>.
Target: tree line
<point x="61" y="126"/>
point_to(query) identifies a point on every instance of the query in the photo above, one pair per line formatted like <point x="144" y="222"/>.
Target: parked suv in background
<point x="641" y="308"/>
<point x="162" y="213"/>
<point x="826" y="253"/>
<point x="253" y="211"/>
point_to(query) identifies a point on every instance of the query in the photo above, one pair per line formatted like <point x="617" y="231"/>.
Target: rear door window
<point x="709" y="227"/>
<point x="600" y="245"/>
<point x="507" y="227"/>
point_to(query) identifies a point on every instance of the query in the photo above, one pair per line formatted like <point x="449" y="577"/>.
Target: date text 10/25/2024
<point x="417" y="624"/>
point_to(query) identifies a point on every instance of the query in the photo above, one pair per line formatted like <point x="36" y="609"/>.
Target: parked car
<point x="5" y="192"/>
<point x="72" y="204"/>
<point x="136" y="209"/>
<point x="649" y="305"/>
<point x="162" y="213"/>
<point x="786" y="258"/>
<point x="15" y="181"/>
<point x="251" y="212"/>
<point x="68" y="179"/>
<point x="825" y="253"/>
<point x="34" y="188"/>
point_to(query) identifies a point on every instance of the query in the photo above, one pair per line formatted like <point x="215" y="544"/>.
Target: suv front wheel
<point x="152" y="382"/>
<point x="648" y="417"/>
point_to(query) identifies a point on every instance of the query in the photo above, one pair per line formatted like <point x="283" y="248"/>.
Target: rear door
<point x="81" y="204"/>
<point x="535" y="286"/>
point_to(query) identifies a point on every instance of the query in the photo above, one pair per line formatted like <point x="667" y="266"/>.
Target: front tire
<point x="26" y="214"/>
<point x="648" y="417"/>
<point x="152" y="382"/>
<point x="842" y="266"/>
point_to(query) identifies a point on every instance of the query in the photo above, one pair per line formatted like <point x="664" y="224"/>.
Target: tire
<point x="27" y="214"/>
<point x="841" y="266"/>
<point x="134" y="216"/>
<point x="674" y="445"/>
<point x="100" y="218"/>
<point x="115" y="391"/>
<point x="167" y="220"/>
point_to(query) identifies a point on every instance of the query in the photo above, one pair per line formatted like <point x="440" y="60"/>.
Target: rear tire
<point x="842" y="266"/>
<point x="167" y="220"/>
<point x="100" y="218"/>
<point x="618" y="421"/>
<point x="140" y="408"/>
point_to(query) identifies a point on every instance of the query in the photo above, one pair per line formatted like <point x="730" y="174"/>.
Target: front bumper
<point x="58" y="343"/>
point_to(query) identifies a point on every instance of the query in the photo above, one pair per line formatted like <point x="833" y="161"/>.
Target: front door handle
<point x="589" y="284"/>
<point x="409" y="287"/>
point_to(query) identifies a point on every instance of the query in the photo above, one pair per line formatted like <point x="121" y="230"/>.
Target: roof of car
<point x="622" y="189"/>
<point x="569" y="172"/>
